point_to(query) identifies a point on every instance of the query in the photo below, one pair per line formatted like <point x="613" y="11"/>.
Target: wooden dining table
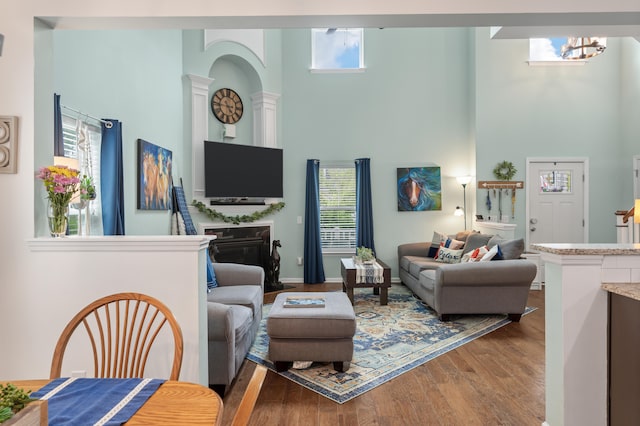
<point x="174" y="403"/>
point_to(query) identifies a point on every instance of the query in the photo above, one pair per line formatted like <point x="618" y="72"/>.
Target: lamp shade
<point x="636" y="212"/>
<point x="463" y="180"/>
<point x="458" y="211"/>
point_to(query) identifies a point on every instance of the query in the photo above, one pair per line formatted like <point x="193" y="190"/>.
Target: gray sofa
<point x="499" y="286"/>
<point x="234" y="313"/>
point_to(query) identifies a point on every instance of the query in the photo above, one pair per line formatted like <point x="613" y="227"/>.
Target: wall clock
<point x="226" y="106"/>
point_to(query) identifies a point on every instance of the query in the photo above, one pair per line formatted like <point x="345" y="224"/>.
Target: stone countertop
<point x="588" y="249"/>
<point x="631" y="290"/>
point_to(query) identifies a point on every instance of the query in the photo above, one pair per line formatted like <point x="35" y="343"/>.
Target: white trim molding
<point x="265" y="117"/>
<point x="199" y="130"/>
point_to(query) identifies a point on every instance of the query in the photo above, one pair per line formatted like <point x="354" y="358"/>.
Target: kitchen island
<point x="576" y="324"/>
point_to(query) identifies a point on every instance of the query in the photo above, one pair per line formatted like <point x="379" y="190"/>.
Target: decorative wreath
<point x="505" y="170"/>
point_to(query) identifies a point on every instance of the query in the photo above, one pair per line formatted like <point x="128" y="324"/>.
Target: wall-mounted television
<point x="242" y="171"/>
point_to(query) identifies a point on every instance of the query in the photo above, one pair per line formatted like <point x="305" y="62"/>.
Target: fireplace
<point x="245" y="244"/>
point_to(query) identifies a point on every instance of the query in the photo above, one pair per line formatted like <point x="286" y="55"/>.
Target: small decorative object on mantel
<point x="364" y="255"/>
<point x="61" y="184"/>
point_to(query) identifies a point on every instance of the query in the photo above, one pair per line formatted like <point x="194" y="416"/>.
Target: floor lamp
<point x="464" y="180"/>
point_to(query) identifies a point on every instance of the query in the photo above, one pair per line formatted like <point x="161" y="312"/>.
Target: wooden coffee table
<point x="348" y="270"/>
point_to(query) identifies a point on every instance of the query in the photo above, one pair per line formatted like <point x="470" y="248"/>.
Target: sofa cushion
<point x="447" y="255"/>
<point x="475" y="240"/>
<point x="419" y="264"/>
<point x="428" y="279"/>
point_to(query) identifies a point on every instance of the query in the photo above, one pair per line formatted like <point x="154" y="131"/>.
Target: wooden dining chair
<point x="248" y="402"/>
<point x="122" y="328"/>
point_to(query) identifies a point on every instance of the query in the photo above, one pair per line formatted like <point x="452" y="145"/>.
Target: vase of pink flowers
<point x="61" y="184"/>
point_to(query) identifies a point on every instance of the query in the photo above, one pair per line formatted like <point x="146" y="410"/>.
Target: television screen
<point x="242" y="171"/>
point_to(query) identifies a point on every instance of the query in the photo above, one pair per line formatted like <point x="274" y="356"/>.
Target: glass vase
<point x="57" y="216"/>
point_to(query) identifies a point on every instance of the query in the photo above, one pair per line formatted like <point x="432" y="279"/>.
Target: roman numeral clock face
<point x="226" y="106"/>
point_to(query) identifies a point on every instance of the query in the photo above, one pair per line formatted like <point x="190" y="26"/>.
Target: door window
<point x="554" y="181"/>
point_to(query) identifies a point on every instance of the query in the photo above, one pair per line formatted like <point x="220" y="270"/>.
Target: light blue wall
<point x="547" y="111"/>
<point x="629" y="113"/>
<point x="135" y="77"/>
<point x="409" y="108"/>
<point x="449" y="97"/>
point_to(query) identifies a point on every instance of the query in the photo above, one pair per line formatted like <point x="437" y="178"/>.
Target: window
<point x="337" y="49"/>
<point x="88" y="156"/>
<point x="567" y="50"/>
<point x="338" y="208"/>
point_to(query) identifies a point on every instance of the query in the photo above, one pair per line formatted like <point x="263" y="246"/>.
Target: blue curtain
<point x="111" y="178"/>
<point x="364" y="211"/>
<point x="313" y="267"/>
<point x="58" y="141"/>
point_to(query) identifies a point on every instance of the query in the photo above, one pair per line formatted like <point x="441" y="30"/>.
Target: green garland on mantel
<point x="236" y="220"/>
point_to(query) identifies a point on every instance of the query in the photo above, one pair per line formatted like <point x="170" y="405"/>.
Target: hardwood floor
<point x="497" y="379"/>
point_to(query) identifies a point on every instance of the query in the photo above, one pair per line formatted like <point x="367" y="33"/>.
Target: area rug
<point x="390" y="340"/>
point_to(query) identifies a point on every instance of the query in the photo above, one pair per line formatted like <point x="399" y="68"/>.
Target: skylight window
<point x="564" y="50"/>
<point x="337" y="49"/>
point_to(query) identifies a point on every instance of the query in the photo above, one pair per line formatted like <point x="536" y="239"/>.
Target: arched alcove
<point x="234" y="72"/>
<point x="257" y="125"/>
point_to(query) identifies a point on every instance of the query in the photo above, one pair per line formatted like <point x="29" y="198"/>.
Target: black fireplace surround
<point x="248" y="245"/>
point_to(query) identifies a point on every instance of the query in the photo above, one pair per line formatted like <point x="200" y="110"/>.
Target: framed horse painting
<point x="419" y="188"/>
<point x="154" y="177"/>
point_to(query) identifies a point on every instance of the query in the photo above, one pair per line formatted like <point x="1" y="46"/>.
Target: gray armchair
<point x="234" y="313"/>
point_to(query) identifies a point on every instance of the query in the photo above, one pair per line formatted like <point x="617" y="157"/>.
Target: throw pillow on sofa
<point x="511" y="249"/>
<point x="493" y="251"/>
<point x="450" y="244"/>
<point x="438" y="237"/>
<point x="476" y="240"/>
<point x="212" y="282"/>
<point x="446" y="255"/>
<point x="475" y="255"/>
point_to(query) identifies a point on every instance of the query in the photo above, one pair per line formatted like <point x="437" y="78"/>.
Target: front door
<point x="556" y="202"/>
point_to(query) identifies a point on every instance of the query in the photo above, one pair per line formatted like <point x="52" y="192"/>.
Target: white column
<point x="199" y="131"/>
<point x="264" y="119"/>
<point x="575" y="341"/>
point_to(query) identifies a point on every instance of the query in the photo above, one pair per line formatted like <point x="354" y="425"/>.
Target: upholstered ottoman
<point x="323" y="334"/>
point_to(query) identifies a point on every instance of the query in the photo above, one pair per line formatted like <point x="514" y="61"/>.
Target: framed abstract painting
<point x="154" y="176"/>
<point x="419" y="189"/>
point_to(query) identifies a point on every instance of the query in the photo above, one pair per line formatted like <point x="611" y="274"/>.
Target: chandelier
<point x="583" y="47"/>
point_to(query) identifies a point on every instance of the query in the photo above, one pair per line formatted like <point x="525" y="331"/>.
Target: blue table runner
<point x="85" y="401"/>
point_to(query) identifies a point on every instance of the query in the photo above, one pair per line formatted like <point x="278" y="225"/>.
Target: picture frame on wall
<point x="154" y="176"/>
<point x="419" y="188"/>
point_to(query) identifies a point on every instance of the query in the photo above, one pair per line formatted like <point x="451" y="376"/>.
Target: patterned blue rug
<point x="389" y="341"/>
